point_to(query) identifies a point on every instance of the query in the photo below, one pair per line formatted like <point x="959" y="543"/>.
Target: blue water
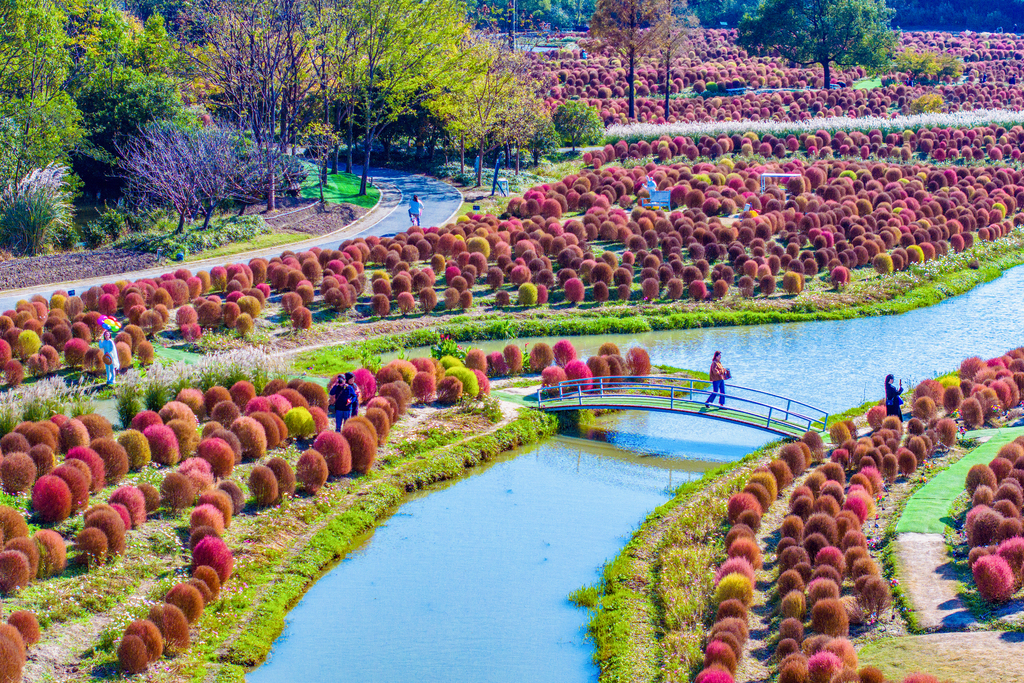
<point x="469" y="583"/>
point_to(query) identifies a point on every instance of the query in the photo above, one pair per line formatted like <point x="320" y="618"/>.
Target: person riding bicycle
<point x="415" y="209"/>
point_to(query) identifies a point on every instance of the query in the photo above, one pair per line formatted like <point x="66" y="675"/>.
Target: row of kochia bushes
<point x="821" y="553"/>
<point x="993" y="528"/>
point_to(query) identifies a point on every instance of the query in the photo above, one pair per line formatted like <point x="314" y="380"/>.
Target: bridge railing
<point x="760" y="408"/>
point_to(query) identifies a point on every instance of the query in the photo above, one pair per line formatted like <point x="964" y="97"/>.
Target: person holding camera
<point x="893" y="398"/>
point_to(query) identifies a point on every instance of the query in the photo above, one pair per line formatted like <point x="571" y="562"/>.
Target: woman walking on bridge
<point x="718" y="375"/>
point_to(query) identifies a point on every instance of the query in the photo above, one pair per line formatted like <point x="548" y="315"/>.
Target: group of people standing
<point x="344" y="398"/>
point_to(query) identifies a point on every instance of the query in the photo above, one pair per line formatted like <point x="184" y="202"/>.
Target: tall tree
<point x="256" y="58"/>
<point x="634" y="28"/>
<point x="406" y="50"/>
<point x="491" y="86"/>
<point x="677" y="27"/>
<point x="846" y="32"/>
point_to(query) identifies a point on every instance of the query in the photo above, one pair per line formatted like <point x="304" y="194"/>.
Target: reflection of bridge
<point x="743" y="406"/>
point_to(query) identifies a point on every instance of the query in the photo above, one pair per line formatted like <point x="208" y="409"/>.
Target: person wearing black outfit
<point x="893" y="400"/>
<point x="352" y="395"/>
<point x="337" y="393"/>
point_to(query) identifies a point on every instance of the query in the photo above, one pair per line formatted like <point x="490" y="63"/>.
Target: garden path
<point x="926" y="573"/>
<point x="388" y="217"/>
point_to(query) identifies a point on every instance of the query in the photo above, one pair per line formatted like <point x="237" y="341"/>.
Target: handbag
<point x="727" y="374"/>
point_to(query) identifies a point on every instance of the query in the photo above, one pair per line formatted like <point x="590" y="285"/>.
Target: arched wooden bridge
<point x="743" y="406"/>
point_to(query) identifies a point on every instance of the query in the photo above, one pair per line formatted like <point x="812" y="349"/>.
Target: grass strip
<point x="627" y="623"/>
<point x="285" y="587"/>
<point x="341" y="188"/>
<point x="927" y="511"/>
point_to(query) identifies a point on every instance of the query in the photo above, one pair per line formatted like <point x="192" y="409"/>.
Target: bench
<point x="660" y="199"/>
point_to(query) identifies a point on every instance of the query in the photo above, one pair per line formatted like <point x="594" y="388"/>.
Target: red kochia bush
<point x="214" y="553"/>
<point x="362" y="444"/>
<point x="132" y="655"/>
<point x="27" y="625"/>
<point x="564" y="352"/>
<point x="311" y="471"/>
<point x="994" y="578"/>
<point x="95" y="463"/>
<point x="51" y="499"/>
<point x="219" y="454"/>
<point x="335" y="449"/>
<point x="741" y="502"/>
<point x="828" y="616"/>
<point x="186" y="598"/>
<point x="14" y="571"/>
<point x="163" y="444"/>
<point x="133" y="500"/>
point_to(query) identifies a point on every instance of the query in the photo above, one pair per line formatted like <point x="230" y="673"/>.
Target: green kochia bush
<point x="470" y="385"/>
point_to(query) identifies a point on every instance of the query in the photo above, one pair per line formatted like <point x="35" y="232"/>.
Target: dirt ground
<point x="973" y="657"/>
<point x="928" y="579"/>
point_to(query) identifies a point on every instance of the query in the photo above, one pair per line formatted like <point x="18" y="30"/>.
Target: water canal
<point x="468" y="581"/>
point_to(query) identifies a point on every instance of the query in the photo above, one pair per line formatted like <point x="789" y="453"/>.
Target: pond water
<point x="468" y="581"/>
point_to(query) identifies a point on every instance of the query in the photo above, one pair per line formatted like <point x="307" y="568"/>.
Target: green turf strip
<point x="927" y="512"/>
<point x="341" y="188"/>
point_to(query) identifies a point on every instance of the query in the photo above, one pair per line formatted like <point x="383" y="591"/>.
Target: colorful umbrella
<point x="109" y="324"/>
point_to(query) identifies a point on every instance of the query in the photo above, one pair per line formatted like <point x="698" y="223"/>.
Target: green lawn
<point x="341" y="188"/>
<point x="866" y="83"/>
<point x="927" y="512"/>
<point x="275" y="239"/>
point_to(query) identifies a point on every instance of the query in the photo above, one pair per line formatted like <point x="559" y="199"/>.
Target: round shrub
<point x="91" y="545"/>
<point x="252" y="436"/>
<point x="77" y="482"/>
<point x="284" y="475"/>
<point x="209" y="576"/>
<point x="234" y="492"/>
<point x="362" y="444"/>
<point x="740" y="502"/>
<point x="822" y="666"/>
<point x="132" y="655"/>
<point x="980" y="475"/>
<point x="187" y="599"/>
<point x="17" y="472"/>
<point x="214" y="553"/>
<point x="225" y="412"/>
<point x="263" y="485"/>
<point x="994" y="578"/>
<point x="136" y="445"/>
<point x="176" y="491"/>
<point x="114" y="456"/>
<point x="150" y="634"/>
<point x="449" y="391"/>
<point x="52" y="553"/>
<point x="311" y="471"/>
<point x="173" y="626"/>
<point x="793" y="605"/>
<point x="300" y="423"/>
<point x="134" y="501"/>
<point x="219" y="454"/>
<point x="735" y="587"/>
<point x="27" y="625"/>
<point x="72" y="433"/>
<point x="111" y="524"/>
<point x="93" y="461"/>
<point x="828" y="617"/>
<point x="335" y="450"/>
<point x="163" y="444"/>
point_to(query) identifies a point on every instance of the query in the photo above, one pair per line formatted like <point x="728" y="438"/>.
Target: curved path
<point x="388" y="217"/>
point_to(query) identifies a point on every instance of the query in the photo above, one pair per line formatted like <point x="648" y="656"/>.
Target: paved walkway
<point x="926" y="573"/>
<point x="388" y="217"/>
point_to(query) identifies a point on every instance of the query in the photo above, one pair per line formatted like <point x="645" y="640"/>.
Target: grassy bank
<point x="341" y="188"/>
<point x="923" y="287"/>
<point x="647" y="621"/>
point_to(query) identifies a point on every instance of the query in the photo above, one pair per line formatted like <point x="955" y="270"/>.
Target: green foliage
<point x="299" y="422"/>
<point x="193" y="239"/>
<point x="927" y="63"/>
<point x="929" y="103"/>
<point x="447" y="346"/>
<point x="847" y="32"/>
<point x="36" y="212"/>
<point x="578" y="124"/>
